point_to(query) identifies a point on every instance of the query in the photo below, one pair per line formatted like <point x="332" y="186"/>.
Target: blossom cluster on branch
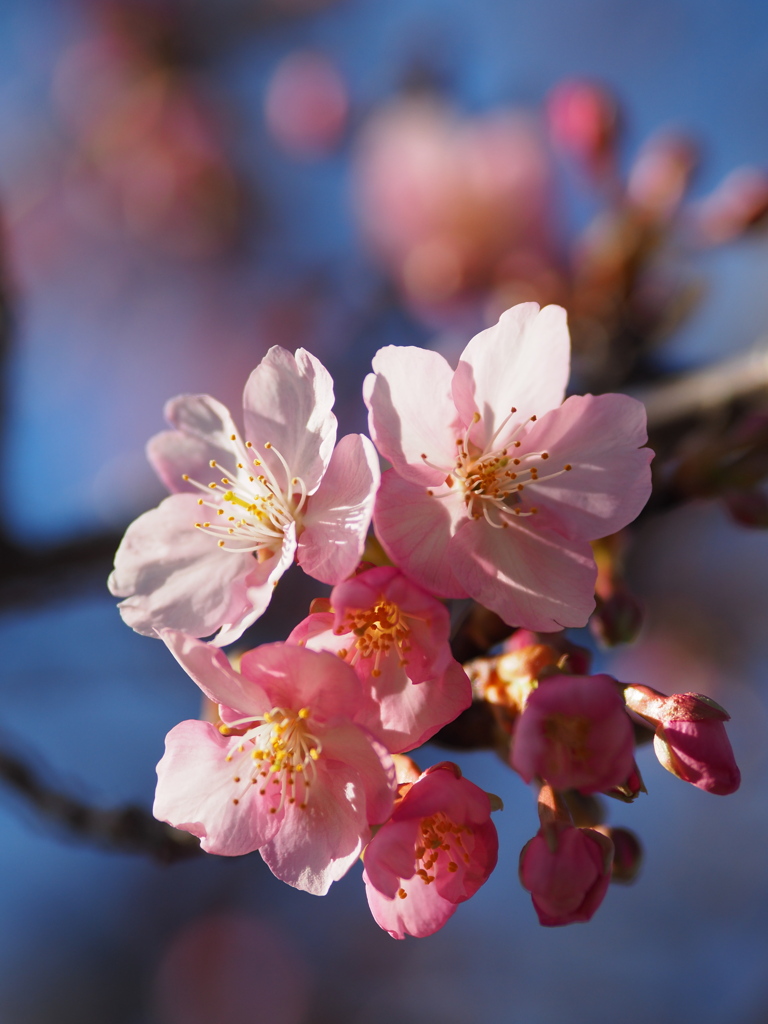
<point x="498" y="487"/>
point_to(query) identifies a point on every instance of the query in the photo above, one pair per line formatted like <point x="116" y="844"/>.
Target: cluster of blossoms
<point x="485" y="499"/>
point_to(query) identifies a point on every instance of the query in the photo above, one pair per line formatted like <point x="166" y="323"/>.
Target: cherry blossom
<point x="395" y="636"/>
<point x="289" y="771"/>
<point x="244" y="505"/>
<point x="436" y="850"/>
<point x="574" y="733"/>
<point x="567" y="871"/>
<point x="496" y="487"/>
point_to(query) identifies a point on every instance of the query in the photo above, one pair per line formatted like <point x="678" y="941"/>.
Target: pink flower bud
<point x="617" y="619"/>
<point x="583" y="121"/>
<point x="690" y="741"/>
<point x="567" y="871"/>
<point x="627" y="854"/>
<point x="575" y="734"/>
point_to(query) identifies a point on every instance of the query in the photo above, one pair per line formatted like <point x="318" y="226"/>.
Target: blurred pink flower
<point x="567" y="871"/>
<point x="288" y="773"/>
<point x="690" y="741"/>
<point x="497" y="501"/>
<point x="395" y="636"/>
<point x="447" y="204"/>
<point x="306" y="105"/>
<point x="206" y="563"/>
<point x="574" y="733"/>
<point x="436" y="850"/>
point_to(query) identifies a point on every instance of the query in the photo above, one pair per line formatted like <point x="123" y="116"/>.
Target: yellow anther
<point x="185" y="476"/>
<point x="303" y="712"/>
<point x="313" y="753"/>
<point x="212" y="463"/>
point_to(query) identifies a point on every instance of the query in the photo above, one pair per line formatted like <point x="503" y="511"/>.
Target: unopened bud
<point x="690" y="739"/>
<point x="617" y="619"/>
<point x="748" y="508"/>
<point x="661" y="174"/>
<point x="627" y="854"/>
<point x="739" y="203"/>
<point x="583" y="121"/>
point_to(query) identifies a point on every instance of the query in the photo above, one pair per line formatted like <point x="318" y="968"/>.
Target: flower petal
<point x="339" y="513"/>
<point x="522" y="361"/>
<point x="293" y="677"/>
<point x="173" y="575"/>
<point x="414" y="529"/>
<point x="530" y="577"/>
<point x="287" y="402"/>
<point x="411" y="411"/>
<point x="319" y="843"/>
<point x="422" y="912"/>
<point x="610" y="482"/>
<point x="196" y="792"/>
<point x="204" y="428"/>
<point x="209" y="667"/>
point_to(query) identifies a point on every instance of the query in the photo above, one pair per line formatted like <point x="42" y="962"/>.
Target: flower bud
<point x="661" y="174"/>
<point x="566" y="870"/>
<point x="690" y="740"/>
<point x="627" y="854"/>
<point x="618" y="619"/>
<point x="583" y="122"/>
<point x="748" y="508"/>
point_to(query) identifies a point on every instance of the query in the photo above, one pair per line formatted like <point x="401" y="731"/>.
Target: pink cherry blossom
<point x="574" y="733"/>
<point x="436" y="850"/>
<point x="244" y="505"/>
<point x="567" y="871"/>
<point x="395" y="636"/>
<point x="496" y="487"/>
<point x="288" y="772"/>
<point x="690" y="741"/>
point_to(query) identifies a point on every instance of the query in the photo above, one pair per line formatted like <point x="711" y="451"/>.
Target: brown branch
<point x="128" y="829"/>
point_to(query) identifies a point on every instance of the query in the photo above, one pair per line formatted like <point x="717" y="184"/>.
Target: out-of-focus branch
<point x="703" y="391"/>
<point x="29" y="576"/>
<point x="127" y="829"/>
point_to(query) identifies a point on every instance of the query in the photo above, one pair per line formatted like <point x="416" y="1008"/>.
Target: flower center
<point x="377" y="630"/>
<point x="495" y="483"/>
<point x="277" y="752"/>
<point x="570" y="734"/>
<point x="440" y="847"/>
<point x="253" y="509"/>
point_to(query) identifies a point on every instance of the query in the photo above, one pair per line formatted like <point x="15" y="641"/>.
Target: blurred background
<point x="183" y="185"/>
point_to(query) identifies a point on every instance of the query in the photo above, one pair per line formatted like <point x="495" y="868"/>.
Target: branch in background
<point x="127" y="829"/>
<point x="704" y="391"/>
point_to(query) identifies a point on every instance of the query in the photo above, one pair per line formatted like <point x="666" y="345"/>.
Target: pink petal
<point x="173" y="575"/>
<point x="610" y="482"/>
<point x="530" y="577"/>
<point x="339" y="513"/>
<point x="260" y="584"/>
<point x="411" y="713"/>
<point x="347" y="744"/>
<point x="209" y="667"/>
<point x="293" y="677"/>
<point x="196" y="792"/>
<point x="390" y="855"/>
<point x="522" y="361"/>
<point x="287" y="402"/>
<point x="411" y="411"/>
<point x="203" y="432"/>
<point x="415" y="528"/>
<point x="317" y="845"/>
<point x="421" y="913"/>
